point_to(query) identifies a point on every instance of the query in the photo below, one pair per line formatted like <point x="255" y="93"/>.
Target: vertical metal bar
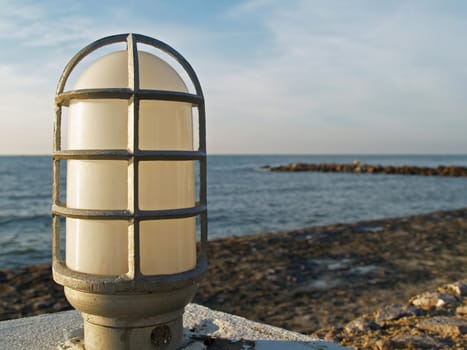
<point x="203" y="200"/>
<point x="56" y="235"/>
<point x="203" y="179"/>
<point x="55" y="181"/>
<point x="55" y="200"/>
<point x="56" y="184"/>
<point x="56" y="147"/>
<point x="202" y="147"/>
<point x="177" y="56"/>
<point x="57" y="128"/>
<point x="202" y="126"/>
<point x="134" y="265"/>
<point x="203" y="253"/>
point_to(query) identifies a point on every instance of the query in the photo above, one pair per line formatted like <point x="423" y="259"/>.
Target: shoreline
<point x="303" y="280"/>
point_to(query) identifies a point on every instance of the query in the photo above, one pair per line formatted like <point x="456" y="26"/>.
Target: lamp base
<point x="162" y="333"/>
<point x="152" y="321"/>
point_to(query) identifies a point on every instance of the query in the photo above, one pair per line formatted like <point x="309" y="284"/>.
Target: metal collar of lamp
<point x="133" y="203"/>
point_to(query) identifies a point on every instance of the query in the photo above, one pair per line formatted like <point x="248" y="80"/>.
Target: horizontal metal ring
<point x="76" y="213"/>
<point x="125" y="155"/>
<point x="140" y="215"/>
<point x="64" y="98"/>
<point x="171" y="213"/>
<point x="127" y="284"/>
<point x="92" y="154"/>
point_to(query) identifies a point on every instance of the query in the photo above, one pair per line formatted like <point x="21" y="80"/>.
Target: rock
<point x="197" y="345"/>
<point x="392" y="312"/>
<point x="361" y="168"/>
<point x="418" y="341"/>
<point x="332" y="334"/>
<point x="405" y="326"/>
<point x="361" y="325"/>
<point x="43" y="303"/>
<point x="3" y="277"/>
<point x="461" y="310"/>
<point x="444" y="325"/>
<point x="429" y="300"/>
<point x="458" y="288"/>
<point x="315" y="286"/>
<point x="382" y="344"/>
<point x="389" y="170"/>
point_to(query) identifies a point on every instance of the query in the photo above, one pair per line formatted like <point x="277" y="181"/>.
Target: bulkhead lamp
<point x="134" y="195"/>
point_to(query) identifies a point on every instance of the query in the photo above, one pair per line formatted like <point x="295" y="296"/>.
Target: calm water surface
<point x="243" y="199"/>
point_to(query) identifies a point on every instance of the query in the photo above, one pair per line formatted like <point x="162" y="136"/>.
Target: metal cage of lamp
<point x="133" y="281"/>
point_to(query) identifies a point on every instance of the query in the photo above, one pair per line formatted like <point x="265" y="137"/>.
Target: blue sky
<point x="306" y="76"/>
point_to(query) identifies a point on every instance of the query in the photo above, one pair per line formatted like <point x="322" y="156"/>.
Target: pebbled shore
<point x="361" y="168"/>
<point x="313" y="280"/>
<point x="430" y="320"/>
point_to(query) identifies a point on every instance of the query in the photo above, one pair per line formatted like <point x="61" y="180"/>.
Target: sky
<point x="279" y="77"/>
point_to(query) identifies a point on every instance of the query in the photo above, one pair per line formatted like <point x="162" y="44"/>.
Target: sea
<point x="243" y="198"/>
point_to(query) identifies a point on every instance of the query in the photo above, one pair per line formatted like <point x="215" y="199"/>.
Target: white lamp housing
<point x="131" y="261"/>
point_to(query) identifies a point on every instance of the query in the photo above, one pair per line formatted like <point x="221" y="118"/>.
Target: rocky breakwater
<point x="358" y="167"/>
<point x="430" y="320"/>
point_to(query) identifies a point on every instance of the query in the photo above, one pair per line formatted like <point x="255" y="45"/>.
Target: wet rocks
<point x="362" y="168"/>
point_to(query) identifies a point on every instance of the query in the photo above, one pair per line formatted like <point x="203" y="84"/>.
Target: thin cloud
<point x="316" y="75"/>
<point x="376" y="68"/>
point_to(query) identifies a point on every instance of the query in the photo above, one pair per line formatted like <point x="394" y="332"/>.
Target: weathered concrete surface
<point x="203" y="327"/>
